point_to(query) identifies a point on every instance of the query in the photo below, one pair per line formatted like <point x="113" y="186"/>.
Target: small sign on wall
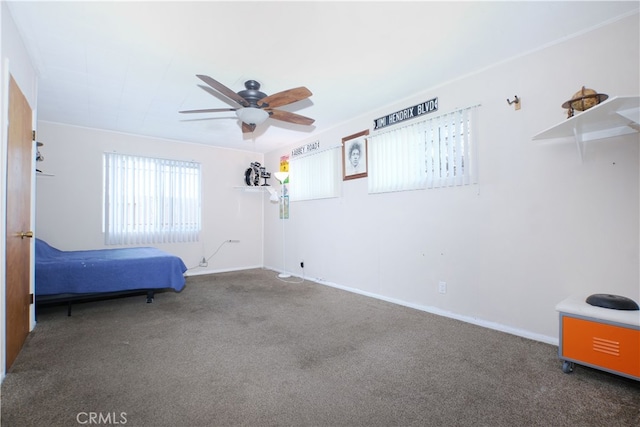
<point x="284" y="163"/>
<point x="284" y="197"/>
<point x="406" y="114"/>
<point x="304" y="149"/>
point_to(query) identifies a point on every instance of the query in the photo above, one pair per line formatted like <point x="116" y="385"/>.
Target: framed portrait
<point x="354" y="155"/>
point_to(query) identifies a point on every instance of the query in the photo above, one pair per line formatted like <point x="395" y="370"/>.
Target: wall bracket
<point x="516" y="101"/>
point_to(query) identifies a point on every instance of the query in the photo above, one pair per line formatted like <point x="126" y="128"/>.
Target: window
<point x="316" y="176"/>
<point x="396" y="159"/>
<point x="450" y="149"/>
<point x="149" y="200"/>
<point x="427" y="154"/>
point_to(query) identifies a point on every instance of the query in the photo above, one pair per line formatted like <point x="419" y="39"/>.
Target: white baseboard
<point x="435" y="310"/>
<point x="203" y="270"/>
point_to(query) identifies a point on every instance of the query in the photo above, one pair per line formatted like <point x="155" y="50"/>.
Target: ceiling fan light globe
<point x="252" y="115"/>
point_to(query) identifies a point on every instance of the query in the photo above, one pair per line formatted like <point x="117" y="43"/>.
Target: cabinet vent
<point x="606" y="346"/>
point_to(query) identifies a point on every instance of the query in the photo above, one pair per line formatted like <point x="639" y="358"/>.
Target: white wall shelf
<point x="273" y="193"/>
<point x="253" y="188"/>
<point x="616" y="116"/>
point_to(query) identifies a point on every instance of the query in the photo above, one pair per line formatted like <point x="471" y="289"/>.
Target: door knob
<point x="28" y="234"/>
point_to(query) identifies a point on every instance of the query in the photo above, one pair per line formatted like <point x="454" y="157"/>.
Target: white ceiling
<point x="131" y="66"/>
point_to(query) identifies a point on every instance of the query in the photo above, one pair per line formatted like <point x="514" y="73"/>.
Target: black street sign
<point x="406" y="114"/>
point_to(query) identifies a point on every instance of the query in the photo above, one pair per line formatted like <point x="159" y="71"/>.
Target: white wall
<point x="15" y="62"/>
<point x="69" y="204"/>
<point x="540" y="226"/>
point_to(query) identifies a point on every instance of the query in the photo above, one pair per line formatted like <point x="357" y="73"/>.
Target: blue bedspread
<point x="105" y="270"/>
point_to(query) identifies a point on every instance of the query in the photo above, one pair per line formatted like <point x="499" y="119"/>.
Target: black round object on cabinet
<point x="615" y="302"/>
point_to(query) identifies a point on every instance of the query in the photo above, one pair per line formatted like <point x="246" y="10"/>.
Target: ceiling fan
<point x="254" y="107"/>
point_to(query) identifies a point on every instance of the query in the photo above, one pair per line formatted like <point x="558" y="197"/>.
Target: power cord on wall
<point x="205" y="261"/>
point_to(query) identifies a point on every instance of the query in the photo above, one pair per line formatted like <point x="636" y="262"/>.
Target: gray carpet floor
<point x="246" y="349"/>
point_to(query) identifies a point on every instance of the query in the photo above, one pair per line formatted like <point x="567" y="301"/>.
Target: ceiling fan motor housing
<point x="252" y="93"/>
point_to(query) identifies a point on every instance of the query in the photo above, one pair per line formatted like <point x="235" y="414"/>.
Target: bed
<point x="66" y="276"/>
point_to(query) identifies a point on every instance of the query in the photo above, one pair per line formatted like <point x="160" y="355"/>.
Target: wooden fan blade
<point x="285" y="97"/>
<point x="247" y="128"/>
<point x="223" y="90"/>
<point x="209" y="110"/>
<point x="286" y="116"/>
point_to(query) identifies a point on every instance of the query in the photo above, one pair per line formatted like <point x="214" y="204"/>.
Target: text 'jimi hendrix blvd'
<point x="408" y="113"/>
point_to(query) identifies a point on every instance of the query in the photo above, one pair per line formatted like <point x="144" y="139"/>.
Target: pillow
<point x="44" y="250"/>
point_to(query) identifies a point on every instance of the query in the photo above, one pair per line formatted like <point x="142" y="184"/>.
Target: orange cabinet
<point x="600" y="338"/>
<point x="614" y="348"/>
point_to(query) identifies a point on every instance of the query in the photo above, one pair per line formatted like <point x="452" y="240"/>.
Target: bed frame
<point x="69" y="299"/>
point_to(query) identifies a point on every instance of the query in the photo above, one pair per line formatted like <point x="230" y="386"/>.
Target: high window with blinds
<point x="149" y="200"/>
<point x="438" y="152"/>
<point x="315" y="176"/>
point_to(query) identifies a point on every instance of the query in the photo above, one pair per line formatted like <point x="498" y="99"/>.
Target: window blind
<point x="315" y="176"/>
<point x="436" y="152"/>
<point x="396" y="159"/>
<point x="451" y="155"/>
<point x="149" y="200"/>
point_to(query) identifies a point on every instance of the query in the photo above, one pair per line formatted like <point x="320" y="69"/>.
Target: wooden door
<point x="18" y="263"/>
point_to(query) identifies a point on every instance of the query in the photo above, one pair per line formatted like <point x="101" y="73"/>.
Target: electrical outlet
<point x="442" y="287"/>
<point x="203" y="262"/>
